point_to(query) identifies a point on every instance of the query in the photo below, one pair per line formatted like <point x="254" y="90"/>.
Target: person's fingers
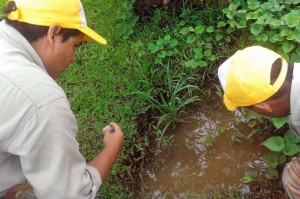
<point x="292" y="189"/>
<point x="106" y="129"/>
<point x="293" y="174"/>
<point x="115" y="126"/>
<point x="296" y="164"/>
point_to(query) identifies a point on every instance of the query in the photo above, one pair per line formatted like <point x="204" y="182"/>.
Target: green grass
<point x="130" y="78"/>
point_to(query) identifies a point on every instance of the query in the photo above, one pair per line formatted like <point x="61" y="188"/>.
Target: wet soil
<point x="208" y="158"/>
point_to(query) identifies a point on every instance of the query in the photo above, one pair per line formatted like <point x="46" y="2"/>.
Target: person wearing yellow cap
<point x="262" y="81"/>
<point x="37" y="127"/>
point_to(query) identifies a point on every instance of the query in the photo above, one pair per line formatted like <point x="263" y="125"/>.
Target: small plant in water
<point x="249" y="176"/>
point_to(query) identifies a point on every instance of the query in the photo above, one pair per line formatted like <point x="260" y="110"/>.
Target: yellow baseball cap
<point x="245" y="77"/>
<point x="66" y="13"/>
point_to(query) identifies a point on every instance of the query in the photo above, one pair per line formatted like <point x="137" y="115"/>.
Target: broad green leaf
<point x="271" y="173"/>
<point x="152" y="47"/>
<point x="199" y="29"/>
<point x="249" y="176"/>
<point x="167" y="38"/>
<point x="274" y="22"/>
<point x="169" y="53"/>
<point x="190" y="39"/>
<point x="271" y="160"/>
<point x="191" y="29"/>
<point x="290" y="149"/>
<point x="295" y="58"/>
<point x="227" y="39"/>
<point x="160" y="42"/>
<point x="252" y="15"/>
<point x="182" y="23"/>
<point x="291" y="19"/>
<point x="184" y="31"/>
<point x="173" y="43"/>
<point x="219" y="36"/>
<point x="208" y="46"/>
<point x="253" y="4"/>
<point x="198" y="53"/>
<point x="284" y="32"/>
<point x="207" y="53"/>
<point x="287" y="47"/>
<point x="212" y="58"/>
<point x="297" y="35"/>
<point x="203" y="63"/>
<point x="274" y="143"/>
<point x="277" y="37"/>
<point x="279" y="122"/>
<point x="232" y="7"/>
<point x="221" y="24"/>
<point x="262" y="37"/>
<point x="298" y="50"/>
<point x="266" y="6"/>
<point x="291" y="137"/>
<point x="246" y="180"/>
<point x="191" y="64"/>
<point x="256" y="29"/>
<point x="162" y="54"/>
<point x="295" y="1"/>
<point x="209" y="139"/>
<point x="157" y="60"/>
<point x="241" y="24"/>
<point x="230" y="14"/>
<point x="210" y="29"/>
<point x="291" y="37"/>
<point x="141" y="53"/>
<point x="233" y="23"/>
<point x="207" y="39"/>
<point x="281" y="158"/>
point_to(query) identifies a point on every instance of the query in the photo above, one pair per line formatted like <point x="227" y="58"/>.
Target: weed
<point x="274" y="24"/>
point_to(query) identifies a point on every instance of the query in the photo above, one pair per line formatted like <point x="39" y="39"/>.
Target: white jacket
<point x="37" y="127"/>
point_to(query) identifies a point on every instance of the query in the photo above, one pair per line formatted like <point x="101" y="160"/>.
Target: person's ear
<point x="53" y="34"/>
<point x="263" y="106"/>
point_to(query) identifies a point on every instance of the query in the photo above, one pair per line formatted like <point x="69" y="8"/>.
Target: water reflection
<point x="204" y="155"/>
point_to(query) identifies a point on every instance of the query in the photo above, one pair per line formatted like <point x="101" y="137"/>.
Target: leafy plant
<point x="281" y="148"/>
<point x="272" y="23"/>
<point x="127" y="28"/>
<point x="249" y="176"/>
<point x="169" y="103"/>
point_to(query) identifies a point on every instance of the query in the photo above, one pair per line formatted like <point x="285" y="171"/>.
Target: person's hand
<point x="113" y="143"/>
<point x="16" y="190"/>
<point x="113" y="137"/>
<point x="295" y="175"/>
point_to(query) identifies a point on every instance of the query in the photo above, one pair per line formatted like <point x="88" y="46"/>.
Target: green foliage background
<point x="147" y="74"/>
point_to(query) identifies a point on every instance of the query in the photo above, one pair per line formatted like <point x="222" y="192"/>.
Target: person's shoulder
<point x="32" y="83"/>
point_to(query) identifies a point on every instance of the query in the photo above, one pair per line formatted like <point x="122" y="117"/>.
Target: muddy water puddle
<point x="205" y="155"/>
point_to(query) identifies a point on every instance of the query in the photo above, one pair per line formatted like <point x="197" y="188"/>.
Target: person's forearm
<point x="104" y="162"/>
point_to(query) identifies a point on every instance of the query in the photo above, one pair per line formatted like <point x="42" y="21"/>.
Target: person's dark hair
<point x="286" y="87"/>
<point x="34" y="32"/>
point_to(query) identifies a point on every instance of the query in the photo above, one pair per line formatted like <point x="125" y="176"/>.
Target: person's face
<point x="62" y="55"/>
<point x="55" y="54"/>
<point x="275" y="108"/>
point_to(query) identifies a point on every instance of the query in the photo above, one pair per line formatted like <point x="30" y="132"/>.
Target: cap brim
<point x="228" y="104"/>
<point x="90" y="34"/>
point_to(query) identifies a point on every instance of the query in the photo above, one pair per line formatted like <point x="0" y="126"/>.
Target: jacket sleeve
<point x="50" y="156"/>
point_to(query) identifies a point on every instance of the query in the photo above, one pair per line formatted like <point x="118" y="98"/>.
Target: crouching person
<point x="37" y="127"/>
<point x="261" y="80"/>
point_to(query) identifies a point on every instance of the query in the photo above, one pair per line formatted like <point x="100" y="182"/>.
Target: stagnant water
<point x="193" y="164"/>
